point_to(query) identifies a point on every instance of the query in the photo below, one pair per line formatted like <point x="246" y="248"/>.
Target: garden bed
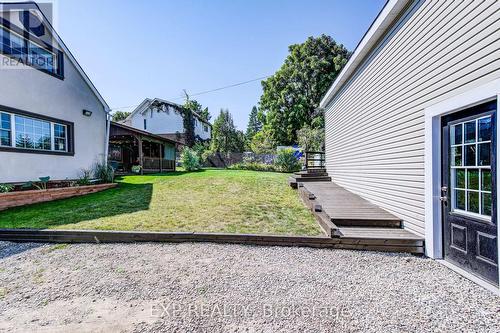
<point x="27" y="197"/>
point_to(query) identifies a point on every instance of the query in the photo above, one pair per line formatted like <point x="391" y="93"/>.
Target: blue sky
<point x="137" y="49"/>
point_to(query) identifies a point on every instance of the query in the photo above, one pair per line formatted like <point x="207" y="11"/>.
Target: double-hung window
<point x="5" y="131"/>
<point x="25" y="133"/>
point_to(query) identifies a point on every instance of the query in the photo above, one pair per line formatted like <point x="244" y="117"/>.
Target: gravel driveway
<point x="210" y="287"/>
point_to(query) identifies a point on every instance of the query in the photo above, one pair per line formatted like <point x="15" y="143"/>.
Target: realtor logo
<point x="25" y="37"/>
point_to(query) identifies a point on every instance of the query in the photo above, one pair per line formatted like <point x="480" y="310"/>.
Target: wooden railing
<point x="168" y="164"/>
<point x="155" y="163"/>
<point x="315" y="160"/>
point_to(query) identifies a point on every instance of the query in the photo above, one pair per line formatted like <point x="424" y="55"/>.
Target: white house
<point x="166" y="119"/>
<point x="53" y="120"/>
<point x="411" y="125"/>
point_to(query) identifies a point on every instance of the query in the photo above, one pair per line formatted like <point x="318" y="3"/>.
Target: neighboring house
<point x="411" y="125"/>
<point x="166" y="119"/>
<point x="53" y="120"/>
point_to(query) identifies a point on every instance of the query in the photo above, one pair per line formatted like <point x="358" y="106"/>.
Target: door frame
<point x="433" y="114"/>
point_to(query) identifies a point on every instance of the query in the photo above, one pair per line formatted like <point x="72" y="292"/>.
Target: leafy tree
<point x="225" y="137"/>
<point x="291" y="96"/>
<point x="254" y="123"/>
<point x="120" y="115"/>
<point x="188" y="122"/>
<point x="195" y="106"/>
<point x="261" y="143"/>
<point x="311" y="139"/>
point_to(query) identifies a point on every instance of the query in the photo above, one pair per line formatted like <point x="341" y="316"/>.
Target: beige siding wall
<point x="375" y="125"/>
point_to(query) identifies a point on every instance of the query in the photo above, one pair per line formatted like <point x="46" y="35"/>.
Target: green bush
<point x="104" y="172"/>
<point x="255" y="166"/>
<point x="84" y="178"/>
<point x="136" y="168"/>
<point x="4" y="188"/>
<point x="190" y="160"/>
<point x="286" y="161"/>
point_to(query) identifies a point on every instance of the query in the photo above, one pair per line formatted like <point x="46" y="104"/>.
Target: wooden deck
<point x="345" y="215"/>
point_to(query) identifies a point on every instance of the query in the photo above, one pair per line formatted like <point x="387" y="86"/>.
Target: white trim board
<point x="433" y="114"/>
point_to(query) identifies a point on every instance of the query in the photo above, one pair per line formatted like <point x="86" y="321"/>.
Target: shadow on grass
<point x="124" y="199"/>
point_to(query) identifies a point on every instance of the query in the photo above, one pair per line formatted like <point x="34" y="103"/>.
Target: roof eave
<point x="377" y="30"/>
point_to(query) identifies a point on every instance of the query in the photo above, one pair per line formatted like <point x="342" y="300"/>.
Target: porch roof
<point x="121" y="129"/>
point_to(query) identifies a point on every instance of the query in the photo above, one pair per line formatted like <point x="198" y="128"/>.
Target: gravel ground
<point x="210" y="287"/>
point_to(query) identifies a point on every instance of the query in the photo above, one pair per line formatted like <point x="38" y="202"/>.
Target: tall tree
<point x="254" y="123"/>
<point x="291" y="96"/>
<point x="120" y="115"/>
<point x="225" y="137"/>
<point x="196" y="107"/>
<point x="191" y="107"/>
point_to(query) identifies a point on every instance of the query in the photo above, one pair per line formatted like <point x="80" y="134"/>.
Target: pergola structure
<point x="130" y="147"/>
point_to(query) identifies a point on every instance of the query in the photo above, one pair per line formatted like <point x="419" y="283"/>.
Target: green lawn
<point x="205" y="201"/>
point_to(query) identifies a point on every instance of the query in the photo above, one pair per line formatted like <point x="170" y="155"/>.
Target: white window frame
<point x="52" y="137"/>
<point x="465" y="168"/>
<point x="10" y="130"/>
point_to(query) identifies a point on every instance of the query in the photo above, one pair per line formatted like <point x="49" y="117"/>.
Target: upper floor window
<point x="205" y="128"/>
<point x="30" y="133"/>
<point x="31" y="53"/>
<point x="145" y="124"/>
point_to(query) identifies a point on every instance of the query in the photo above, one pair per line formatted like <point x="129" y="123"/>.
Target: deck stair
<point x="319" y="175"/>
<point x="356" y="222"/>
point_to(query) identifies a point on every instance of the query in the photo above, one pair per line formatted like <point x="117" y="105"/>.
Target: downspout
<point x="106" y="140"/>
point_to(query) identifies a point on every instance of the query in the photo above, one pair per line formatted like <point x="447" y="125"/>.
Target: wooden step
<point x="355" y="222"/>
<point x="312" y="178"/>
<point x="313" y="174"/>
<point x="391" y="236"/>
<point x="367" y="222"/>
<point x="294" y="181"/>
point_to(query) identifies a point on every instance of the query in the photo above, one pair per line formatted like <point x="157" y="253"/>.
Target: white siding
<point x="34" y="91"/>
<point x="199" y="131"/>
<point x="375" y="124"/>
<point x="163" y="122"/>
<point x="159" y="122"/>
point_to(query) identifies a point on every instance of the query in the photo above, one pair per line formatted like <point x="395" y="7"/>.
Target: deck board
<point x="356" y="222"/>
<point x="338" y="203"/>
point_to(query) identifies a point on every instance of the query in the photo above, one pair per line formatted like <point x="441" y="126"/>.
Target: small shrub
<point x="4" y="188"/>
<point x="84" y="178"/>
<point x="286" y="161"/>
<point x="27" y="186"/>
<point x="189" y="159"/>
<point x="202" y="150"/>
<point x="104" y="172"/>
<point x="136" y="168"/>
<point x="254" y="166"/>
<point x="42" y="184"/>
